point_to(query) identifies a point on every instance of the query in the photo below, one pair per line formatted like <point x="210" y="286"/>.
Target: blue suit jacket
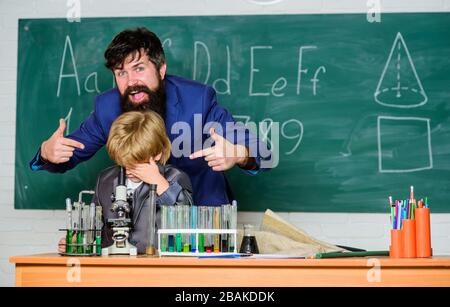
<point x="185" y="98"/>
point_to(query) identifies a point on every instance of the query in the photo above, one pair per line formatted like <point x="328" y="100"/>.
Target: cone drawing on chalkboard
<point x="399" y="85"/>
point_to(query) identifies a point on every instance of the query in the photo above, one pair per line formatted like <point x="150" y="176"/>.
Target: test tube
<point x="186" y="225"/>
<point x="164" y="221"/>
<point x="209" y="221"/>
<point x="91" y="230"/>
<point x="224" y="224"/>
<point x="216" y="225"/>
<point x="69" y="226"/>
<point x="171" y="214"/>
<point x="233" y="225"/>
<point x="201" y="236"/>
<point x="193" y="226"/>
<point x="98" y="230"/>
<point x="150" y="248"/>
<point x="179" y="223"/>
<point x="85" y="226"/>
<point x="79" y="239"/>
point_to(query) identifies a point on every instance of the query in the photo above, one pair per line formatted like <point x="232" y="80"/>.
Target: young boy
<point x="138" y="142"/>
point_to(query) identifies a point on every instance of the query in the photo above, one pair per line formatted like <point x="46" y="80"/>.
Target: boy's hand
<point x="149" y="173"/>
<point x="223" y="155"/>
<point x="62" y="245"/>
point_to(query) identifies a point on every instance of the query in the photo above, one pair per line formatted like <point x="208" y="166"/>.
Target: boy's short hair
<point x="135" y="137"/>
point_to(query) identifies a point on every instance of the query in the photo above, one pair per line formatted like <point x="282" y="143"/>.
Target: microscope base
<point x="114" y="250"/>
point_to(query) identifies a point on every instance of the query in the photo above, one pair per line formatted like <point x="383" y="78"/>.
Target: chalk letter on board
<point x="167" y="42"/>
<point x="275" y="86"/>
<point x="94" y="75"/>
<point x="300" y="62"/>
<point x="227" y="80"/>
<point x="315" y="80"/>
<point x="74" y="12"/>
<point x="253" y="70"/>
<point x="67" y="120"/>
<point x="196" y="44"/>
<point x="74" y="74"/>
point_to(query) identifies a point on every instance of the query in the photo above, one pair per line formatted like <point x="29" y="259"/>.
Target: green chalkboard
<point x="362" y="110"/>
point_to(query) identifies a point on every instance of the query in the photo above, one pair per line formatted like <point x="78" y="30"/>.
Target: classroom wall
<point x="35" y="231"/>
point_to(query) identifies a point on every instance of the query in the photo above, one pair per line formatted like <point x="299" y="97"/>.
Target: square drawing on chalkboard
<point x="404" y="144"/>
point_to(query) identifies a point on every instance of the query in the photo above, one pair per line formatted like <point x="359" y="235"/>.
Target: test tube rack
<point x="93" y="248"/>
<point x="197" y="232"/>
<point x="84" y="225"/>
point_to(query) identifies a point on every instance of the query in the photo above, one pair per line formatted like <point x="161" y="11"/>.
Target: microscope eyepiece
<point x="122" y="175"/>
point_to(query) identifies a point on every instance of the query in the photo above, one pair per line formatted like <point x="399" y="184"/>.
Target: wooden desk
<point x="52" y="270"/>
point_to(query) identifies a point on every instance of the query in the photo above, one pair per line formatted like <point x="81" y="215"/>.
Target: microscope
<point x="121" y="225"/>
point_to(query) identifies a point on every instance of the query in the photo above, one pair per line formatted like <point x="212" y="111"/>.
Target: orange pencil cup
<point x="409" y="238"/>
<point x="423" y="232"/>
<point x="396" y="248"/>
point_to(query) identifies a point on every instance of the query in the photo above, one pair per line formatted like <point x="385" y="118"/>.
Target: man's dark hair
<point x="130" y="42"/>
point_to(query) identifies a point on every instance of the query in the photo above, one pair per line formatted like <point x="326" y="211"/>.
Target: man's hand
<point x="58" y="149"/>
<point x="149" y="173"/>
<point x="223" y="155"/>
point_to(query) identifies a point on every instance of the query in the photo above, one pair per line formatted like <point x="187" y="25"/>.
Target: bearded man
<point x="137" y="61"/>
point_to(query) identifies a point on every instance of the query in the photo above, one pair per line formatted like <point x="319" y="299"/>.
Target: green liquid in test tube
<point x="69" y="226"/>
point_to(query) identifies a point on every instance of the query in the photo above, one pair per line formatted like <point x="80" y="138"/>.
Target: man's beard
<point x="156" y="100"/>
